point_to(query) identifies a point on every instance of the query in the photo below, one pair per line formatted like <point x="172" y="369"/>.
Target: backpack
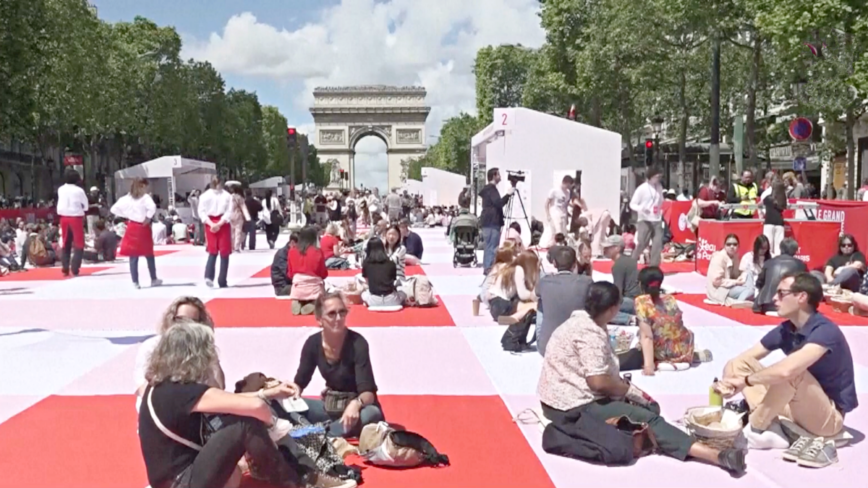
<point x="382" y="445"/>
<point x="419" y="292"/>
<point x="36" y="252"/>
<point x="515" y="337"/>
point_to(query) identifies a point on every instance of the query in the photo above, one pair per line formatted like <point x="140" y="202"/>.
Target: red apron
<point x="138" y="240"/>
<point x="219" y="242"/>
<point x="74" y="226"/>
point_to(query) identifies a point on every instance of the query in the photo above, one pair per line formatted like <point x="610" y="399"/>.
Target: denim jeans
<point x="490" y="240"/>
<point x="316" y="413"/>
<point x="251" y="235"/>
<point x="626" y="312"/>
<point x="848" y="278"/>
<point x="337" y="262"/>
<point x="741" y="293"/>
<point x="134" y="268"/>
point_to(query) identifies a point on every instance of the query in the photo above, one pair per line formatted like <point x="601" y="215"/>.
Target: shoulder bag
<point x="171" y="435"/>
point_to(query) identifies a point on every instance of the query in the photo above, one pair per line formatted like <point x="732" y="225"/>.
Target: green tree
<point x="451" y="152"/>
<point x="274" y="139"/>
<point x="501" y="73"/>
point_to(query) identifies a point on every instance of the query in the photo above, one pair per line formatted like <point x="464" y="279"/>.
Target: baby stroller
<point x="466" y="237"/>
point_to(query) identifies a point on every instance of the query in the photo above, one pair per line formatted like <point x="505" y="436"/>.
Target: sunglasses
<point x="334" y="314"/>
<point x="846" y="244"/>
<point x="782" y="293"/>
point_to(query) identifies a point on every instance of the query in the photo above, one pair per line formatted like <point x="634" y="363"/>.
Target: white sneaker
<point x="156" y="283"/>
<point x="771" y="438"/>
<point x="209" y="283"/>
<point x="137" y="286"/>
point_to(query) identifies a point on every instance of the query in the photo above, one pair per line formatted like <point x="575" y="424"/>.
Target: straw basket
<point x="698" y="420"/>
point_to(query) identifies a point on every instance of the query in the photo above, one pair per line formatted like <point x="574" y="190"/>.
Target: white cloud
<point x="360" y="42"/>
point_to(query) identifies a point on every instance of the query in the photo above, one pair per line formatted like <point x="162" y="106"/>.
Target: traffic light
<point x="649" y="152"/>
<point x="291" y="136"/>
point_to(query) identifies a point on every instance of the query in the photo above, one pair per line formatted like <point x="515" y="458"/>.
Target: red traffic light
<point x="290" y="131"/>
<point x="649" y="144"/>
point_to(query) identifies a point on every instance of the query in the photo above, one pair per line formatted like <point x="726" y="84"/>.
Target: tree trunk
<point x="750" y="112"/>
<point x="682" y="133"/>
<point x="714" y="146"/>
<point x="851" y="153"/>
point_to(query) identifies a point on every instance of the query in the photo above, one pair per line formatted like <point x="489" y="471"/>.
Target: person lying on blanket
<point x="813" y="386"/>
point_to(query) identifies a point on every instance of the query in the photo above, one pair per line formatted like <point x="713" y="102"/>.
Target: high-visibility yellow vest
<point x="746" y="195"/>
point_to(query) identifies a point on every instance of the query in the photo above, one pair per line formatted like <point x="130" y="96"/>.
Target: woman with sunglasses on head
<point x="724" y="286"/>
<point x="341" y="355"/>
<point x="845" y="268"/>
<point x="182" y="308"/>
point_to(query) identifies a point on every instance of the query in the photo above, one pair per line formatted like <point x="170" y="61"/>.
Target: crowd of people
<point x="798" y="404"/>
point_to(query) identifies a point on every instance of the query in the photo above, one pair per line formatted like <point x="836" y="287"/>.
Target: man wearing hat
<point x="625" y="275"/>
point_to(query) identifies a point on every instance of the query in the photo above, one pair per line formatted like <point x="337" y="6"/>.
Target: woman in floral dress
<point x="667" y="345"/>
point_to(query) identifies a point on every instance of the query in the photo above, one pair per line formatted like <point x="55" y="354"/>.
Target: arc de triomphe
<point x="344" y="115"/>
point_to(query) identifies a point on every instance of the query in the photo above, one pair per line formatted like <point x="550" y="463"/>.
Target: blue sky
<point x="282" y="49"/>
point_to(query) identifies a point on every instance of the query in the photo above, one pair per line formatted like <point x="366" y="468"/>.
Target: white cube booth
<point x="169" y="176"/>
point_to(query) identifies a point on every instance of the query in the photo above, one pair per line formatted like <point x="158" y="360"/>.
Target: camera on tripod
<point x="515" y="177"/>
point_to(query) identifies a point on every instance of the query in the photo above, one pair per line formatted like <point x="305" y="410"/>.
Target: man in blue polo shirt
<point x="814" y="386"/>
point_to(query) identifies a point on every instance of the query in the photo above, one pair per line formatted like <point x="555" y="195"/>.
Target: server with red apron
<point x="215" y="207"/>
<point x="71" y="206"/>
<point x="138" y="208"/>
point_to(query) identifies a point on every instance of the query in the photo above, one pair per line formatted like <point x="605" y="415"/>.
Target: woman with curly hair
<point x="182" y="308"/>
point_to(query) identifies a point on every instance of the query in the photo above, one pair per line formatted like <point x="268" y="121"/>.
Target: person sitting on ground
<point x="666" y="344"/>
<point x="332" y="249"/>
<point x="8" y="262"/>
<point x="513" y="234"/>
<point x="178" y="399"/>
<point x="505" y="254"/>
<point x="751" y="264"/>
<point x="625" y="275"/>
<point x="381" y="274"/>
<point x="180" y="233"/>
<point x="512" y="290"/>
<point x="159" y="231"/>
<point x="341" y="355"/>
<point x="814" y="386"/>
<point x="586" y="261"/>
<point x="185" y="307"/>
<point x="580" y="377"/>
<point x="105" y="245"/>
<point x="412" y="243"/>
<point x="773" y="271"/>
<point x="396" y="251"/>
<point x="846" y="268"/>
<point x="306" y="270"/>
<point x="559" y="294"/>
<point x="38" y="250"/>
<point x="724" y="286"/>
<point x="279" y="276"/>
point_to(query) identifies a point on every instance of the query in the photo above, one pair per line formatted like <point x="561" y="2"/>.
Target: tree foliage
<point x="119" y="93"/>
<point x="501" y="75"/>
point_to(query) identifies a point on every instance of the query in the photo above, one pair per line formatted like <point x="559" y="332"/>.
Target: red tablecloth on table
<point x="817" y="240"/>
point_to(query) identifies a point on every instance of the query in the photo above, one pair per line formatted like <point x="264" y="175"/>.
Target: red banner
<point x="852" y="216"/>
<point x="30" y="214"/>
<point x="817" y="240"/>
<point x="675" y="216"/>
<point x="72" y="160"/>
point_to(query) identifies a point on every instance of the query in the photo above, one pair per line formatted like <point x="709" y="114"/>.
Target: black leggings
<point x="216" y="462"/>
<point x="271" y="233"/>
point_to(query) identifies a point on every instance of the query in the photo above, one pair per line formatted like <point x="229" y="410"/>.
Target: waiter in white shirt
<point x="138" y="208"/>
<point x="557" y="212"/>
<point x="214" y="210"/>
<point x="647" y="202"/>
<point x="71" y="207"/>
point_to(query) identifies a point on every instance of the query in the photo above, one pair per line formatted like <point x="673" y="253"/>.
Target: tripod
<point x="508" y="214"/>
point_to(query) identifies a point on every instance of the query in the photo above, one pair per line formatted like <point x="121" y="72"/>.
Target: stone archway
<point x="344" y="115"/>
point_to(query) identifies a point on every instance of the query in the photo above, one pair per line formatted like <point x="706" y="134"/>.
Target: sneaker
<point x="296" y="307"/>
<point x="137" y="286"/>
<point x="819" y="454"/>
<point x="733" y="460"/>
<point x="320" y="480"/>
<point x="307" y="309"/>
<point x="209" y="283"/>
<point x="794" y="452"/>
<point x="155" y="283"/>
<point x="703" y="356"/>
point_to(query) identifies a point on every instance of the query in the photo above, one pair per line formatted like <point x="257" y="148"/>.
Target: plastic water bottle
<point x="714" y="398"/>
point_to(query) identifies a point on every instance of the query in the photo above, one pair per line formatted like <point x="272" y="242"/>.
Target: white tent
<point x="169" y="175"/>
<point x="413" y="187"/>
<point x="546" y="148"/>
<point x="441" y="188"/>
<point x="276" y="183"/>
